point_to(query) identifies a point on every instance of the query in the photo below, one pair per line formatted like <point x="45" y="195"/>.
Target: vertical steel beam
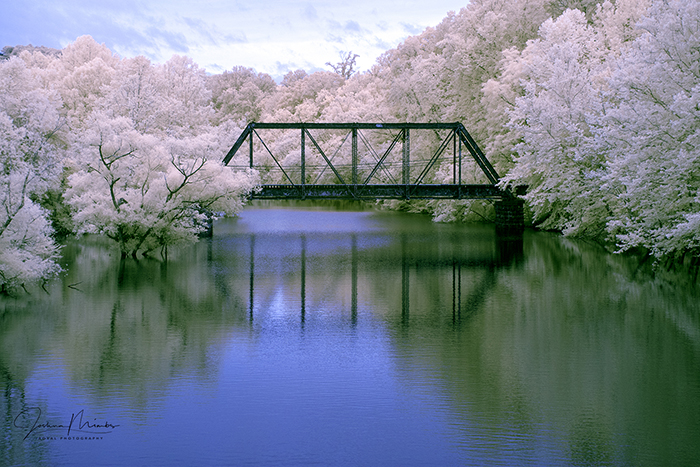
<point x="454" y="156"/>
<point x="460" y="163"/>
<point x="354" y="156"/>
<point x="251" y="149"/>
<point x="406" y="158"/>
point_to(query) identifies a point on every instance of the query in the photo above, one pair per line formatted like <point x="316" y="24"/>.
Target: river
<point x="316" y="336"/>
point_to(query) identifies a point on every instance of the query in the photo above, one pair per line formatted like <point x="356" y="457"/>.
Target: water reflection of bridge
<point x="274" y="262"/>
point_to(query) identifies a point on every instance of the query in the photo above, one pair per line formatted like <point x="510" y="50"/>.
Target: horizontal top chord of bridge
<point x="356" y="125"/>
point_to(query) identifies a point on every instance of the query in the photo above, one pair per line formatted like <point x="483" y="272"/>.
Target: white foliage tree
<point x="134" y="94"/>
<point x="302" y="99"/>
<point x="147" y="192"/>
<point x="147" y="171"/>
<point x="564" y="75"/>
<point x="561" y="89"/>
<point x="82" y="75"/>
<point x="184" y="109"/>
<point x="168" y="100"/>
<point x="653" y="134"/>
<point x="238" y="94"/>
<point x="440" y="76"/>
<point x="29" y="165"/>
<point x="346" y="66"/>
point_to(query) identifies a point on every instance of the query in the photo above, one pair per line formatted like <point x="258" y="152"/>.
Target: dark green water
<point x="319" y="337"/>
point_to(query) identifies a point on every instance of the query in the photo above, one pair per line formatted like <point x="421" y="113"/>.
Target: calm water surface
<point x="319" y="337"/>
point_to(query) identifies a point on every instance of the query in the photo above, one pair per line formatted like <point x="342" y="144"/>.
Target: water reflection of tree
<point x="14" y="449"/>
<point x="572" y="344"/>
<point x="618" y="362"/>
<point x="124" y="328"/>
<point x="24" y="329"/>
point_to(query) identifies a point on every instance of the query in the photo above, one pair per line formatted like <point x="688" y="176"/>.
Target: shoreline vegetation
<point x="594" y="107"/>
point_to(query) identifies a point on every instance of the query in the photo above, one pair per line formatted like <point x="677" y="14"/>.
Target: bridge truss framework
<point x="363" y="186"/>
<point x="508" y="207"/>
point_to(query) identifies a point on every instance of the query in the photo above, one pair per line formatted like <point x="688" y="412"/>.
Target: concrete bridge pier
<point x="510" y="216"/>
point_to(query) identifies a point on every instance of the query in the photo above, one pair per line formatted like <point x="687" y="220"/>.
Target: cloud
<point x="211" y="34"/>
<point x="201" y="28"/>
<point x="125" y="26"/>
<point x="335" y="39"/>
<point x="352" y="27"/>
<point x="412" y="28"/>
<point x="175" y="41"/>
<point x="340" y="32"/>
<point x="236" y="38"/>
<point x="214" y="68"/>
<point x="225" y="33"/>
<point x="379" y="43"/>
<point x="310" y="12"/>
<point x="282" y="69"/>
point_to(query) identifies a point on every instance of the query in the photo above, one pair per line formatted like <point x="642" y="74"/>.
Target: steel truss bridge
<point x="363" y="172"/>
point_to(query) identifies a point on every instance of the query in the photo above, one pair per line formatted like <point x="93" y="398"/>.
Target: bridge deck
<point x="372" y="192"/>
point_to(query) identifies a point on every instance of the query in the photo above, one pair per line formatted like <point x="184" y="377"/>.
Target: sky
<point x="270" y="36"/>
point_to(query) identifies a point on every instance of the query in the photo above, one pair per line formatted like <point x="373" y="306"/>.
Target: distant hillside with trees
<point x="9" y="51"/>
